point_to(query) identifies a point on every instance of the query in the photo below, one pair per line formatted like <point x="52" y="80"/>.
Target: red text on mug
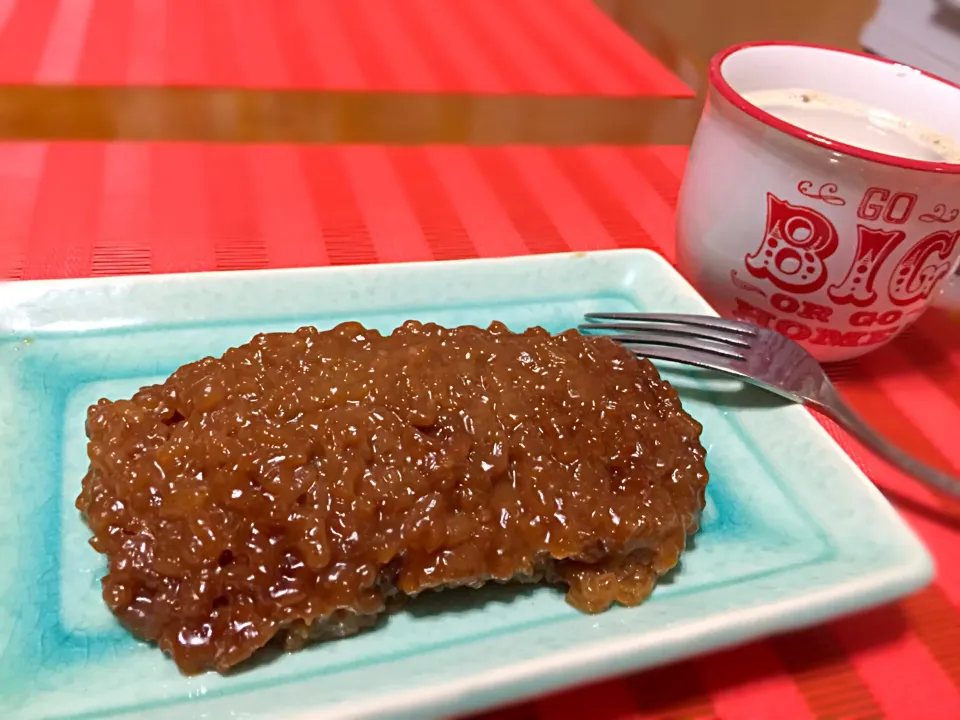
<point x="793" y="256"/>
<point x="796" y="244"/>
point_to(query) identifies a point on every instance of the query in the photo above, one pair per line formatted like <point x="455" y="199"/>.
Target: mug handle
<point x="949" y="296"/>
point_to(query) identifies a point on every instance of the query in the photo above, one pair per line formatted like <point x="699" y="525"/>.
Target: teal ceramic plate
<point x="792" y="534"/>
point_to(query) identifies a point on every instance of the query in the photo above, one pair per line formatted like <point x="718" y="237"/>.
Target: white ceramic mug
<point x="949" y="296"/>
<point x="834" y="245"/>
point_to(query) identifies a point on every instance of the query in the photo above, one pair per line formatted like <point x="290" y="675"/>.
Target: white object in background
<point x="922" y="33"/>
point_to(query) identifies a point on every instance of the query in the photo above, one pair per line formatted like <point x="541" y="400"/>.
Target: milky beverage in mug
<point x="853" y="122"/>
<point x="822" y="196"/>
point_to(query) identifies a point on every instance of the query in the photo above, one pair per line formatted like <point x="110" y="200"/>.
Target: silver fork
<point x="761" y="357"/>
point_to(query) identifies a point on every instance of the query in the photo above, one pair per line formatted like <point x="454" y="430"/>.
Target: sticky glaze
<point x="305" y="482"/>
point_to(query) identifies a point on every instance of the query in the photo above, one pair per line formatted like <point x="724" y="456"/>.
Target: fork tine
<point x="684" y="356"/>
<point x="704" y="321"/>
<point x="654" y="338"/>
<point x="717" y="335"/>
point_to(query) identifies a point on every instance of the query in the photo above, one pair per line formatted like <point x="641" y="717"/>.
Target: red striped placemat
<point x="75" y="209"/>
<point x="555" y="47"/>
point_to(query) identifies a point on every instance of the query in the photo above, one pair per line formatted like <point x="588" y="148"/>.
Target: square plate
<point x="792" y="534"/>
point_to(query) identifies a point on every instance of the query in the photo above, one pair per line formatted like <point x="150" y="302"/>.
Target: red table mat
<point x="549" y="47"/>
<point x="75" y="209"/>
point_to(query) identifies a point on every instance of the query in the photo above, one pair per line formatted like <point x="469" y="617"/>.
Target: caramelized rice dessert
<point x="306" y="482"/>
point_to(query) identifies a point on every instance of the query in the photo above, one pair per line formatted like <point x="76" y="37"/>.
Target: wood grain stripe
<point x="238" y="116"/>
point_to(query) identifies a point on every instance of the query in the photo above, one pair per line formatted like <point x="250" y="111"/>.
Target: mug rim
<point x="719" y="82"/>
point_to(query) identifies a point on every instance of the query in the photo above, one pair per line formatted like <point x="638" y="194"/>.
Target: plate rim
<point x="909" y="571"/>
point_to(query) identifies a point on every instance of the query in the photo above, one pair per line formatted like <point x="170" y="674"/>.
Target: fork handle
<point x="833" y="406"/>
